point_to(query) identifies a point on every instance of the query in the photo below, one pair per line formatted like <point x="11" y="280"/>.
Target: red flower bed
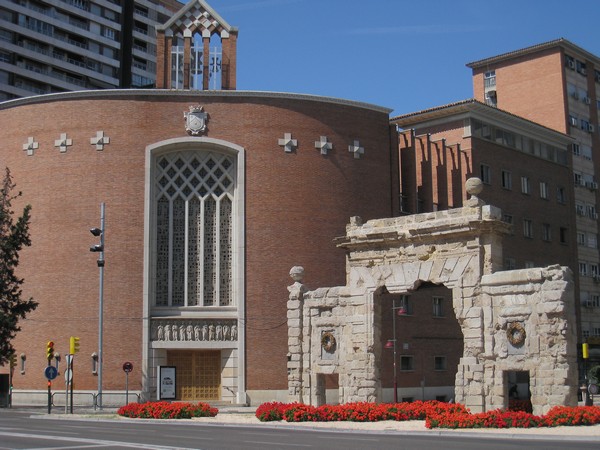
<point x="436" y="414"/>
<point x="166" y="410"/>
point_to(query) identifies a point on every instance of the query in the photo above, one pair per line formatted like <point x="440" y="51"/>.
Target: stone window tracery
<point x="194" y="194"/>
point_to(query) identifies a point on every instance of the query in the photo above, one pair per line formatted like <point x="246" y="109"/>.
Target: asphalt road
<point x="24" y="430"/>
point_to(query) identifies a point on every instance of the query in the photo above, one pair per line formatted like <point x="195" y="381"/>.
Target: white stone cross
<point x="288" y="144"/>
<point x="63" y="142"/>
<point x="100" y="140"/>
<point x="30" y="146"/>
<point x="323" y="145"/>
<point x="356" y="149"/>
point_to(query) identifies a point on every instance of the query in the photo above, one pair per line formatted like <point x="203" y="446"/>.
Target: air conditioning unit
<point x="594" y="216"/>
<point x="587" y="100"/>
<point x="583" y="71"/>
<point x="591" y="128"/>
<point x="594" y="185"/>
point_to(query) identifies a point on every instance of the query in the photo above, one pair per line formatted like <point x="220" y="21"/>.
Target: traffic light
<point x="98" y="232"/>
<point x="73" y="345"/>
<point x="50" y="350"/>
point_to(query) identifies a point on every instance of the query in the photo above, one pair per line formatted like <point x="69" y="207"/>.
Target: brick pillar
<point x="187" y="60"/>
<point x="167" y="61"/>
<point x="161" y="59"/>
<point x="229" y="62"/>
<point x="205" y="63"/>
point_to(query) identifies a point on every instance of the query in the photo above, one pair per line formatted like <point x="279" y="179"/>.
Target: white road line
<point x="94" y="442"/>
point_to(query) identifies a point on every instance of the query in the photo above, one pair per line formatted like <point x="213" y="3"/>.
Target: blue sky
<point x="407" y="55"/>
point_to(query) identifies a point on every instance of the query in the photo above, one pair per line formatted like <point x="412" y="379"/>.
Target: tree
<point x="13" y="237"/>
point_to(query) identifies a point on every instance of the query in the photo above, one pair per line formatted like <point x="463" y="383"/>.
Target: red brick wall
<point x="296" y="203"/>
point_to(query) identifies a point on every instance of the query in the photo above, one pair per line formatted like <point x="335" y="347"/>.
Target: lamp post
<point x="392" y="343"/>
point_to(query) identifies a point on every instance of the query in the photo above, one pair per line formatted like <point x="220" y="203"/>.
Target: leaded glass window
<point x="194" y="228"/>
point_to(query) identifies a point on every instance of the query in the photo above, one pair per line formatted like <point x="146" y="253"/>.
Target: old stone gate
<point x="520" y="320"/>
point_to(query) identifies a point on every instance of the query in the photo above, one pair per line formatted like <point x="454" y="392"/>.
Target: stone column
<point x="295" y="308"/>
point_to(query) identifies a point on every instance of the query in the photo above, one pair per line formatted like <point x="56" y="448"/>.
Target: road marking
<point x="92" y="442"/>
<point x="279" y="444"/>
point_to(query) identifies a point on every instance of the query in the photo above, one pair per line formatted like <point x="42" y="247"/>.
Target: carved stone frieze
<point x="194" y="330"/>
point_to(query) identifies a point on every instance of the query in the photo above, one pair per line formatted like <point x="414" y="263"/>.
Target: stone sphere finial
<point x="474" y="187"/>
<point x="297" y="273"/>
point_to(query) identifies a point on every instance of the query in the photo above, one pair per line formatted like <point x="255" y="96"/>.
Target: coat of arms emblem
<point x="195" y="120"/>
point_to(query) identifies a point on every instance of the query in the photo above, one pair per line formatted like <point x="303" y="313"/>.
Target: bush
<point x="166" y="410"/>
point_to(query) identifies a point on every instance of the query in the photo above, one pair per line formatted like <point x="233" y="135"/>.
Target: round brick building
<point x="210" y="198"/>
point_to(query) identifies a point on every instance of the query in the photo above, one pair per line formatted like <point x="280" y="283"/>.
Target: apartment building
<point x="49" y="46"/>
<point x="525" y="168"/>
<point x="557" y="84"/>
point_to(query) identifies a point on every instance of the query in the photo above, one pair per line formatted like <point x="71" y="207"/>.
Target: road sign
<point x="593" y="389"/>
<point x="127" y="367"/>
<point x="50" y="372"/>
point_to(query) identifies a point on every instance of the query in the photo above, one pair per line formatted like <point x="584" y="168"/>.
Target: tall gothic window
<point x="194" y="205"/>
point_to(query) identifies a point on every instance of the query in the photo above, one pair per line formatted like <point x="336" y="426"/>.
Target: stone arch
<point x="460" y="249"/>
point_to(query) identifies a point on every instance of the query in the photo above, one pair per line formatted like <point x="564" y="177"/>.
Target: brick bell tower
<point x="193" y="48"/>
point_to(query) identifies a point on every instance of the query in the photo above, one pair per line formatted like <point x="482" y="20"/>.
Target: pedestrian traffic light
<point x="50" y="350"/>
<point x="73" y="345"/>
<point x="585" y="350"/>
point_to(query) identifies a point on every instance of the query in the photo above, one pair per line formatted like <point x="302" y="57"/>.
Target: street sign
<point x="50" y="372"/>
<point x="127" y="367"/>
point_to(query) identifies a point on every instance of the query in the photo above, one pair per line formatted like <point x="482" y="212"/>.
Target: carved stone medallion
<point x="195" y="120"/>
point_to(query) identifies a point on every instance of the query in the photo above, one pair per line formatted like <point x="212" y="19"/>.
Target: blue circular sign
<point x="50" y="372"/>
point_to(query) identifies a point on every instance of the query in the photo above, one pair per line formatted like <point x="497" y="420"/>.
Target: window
<point x="595" y="299"/>
<point x="486" y="176"/>
<point x="596" y="331"/>
<point x="592" y="240"/>
<point x="570" y="62"/>
<point x="585" y="333"/>
<point x="561" y="195"/>
<point x="580" y="238"/>
<point x="510" y="264"/>
<point x="583" y="269"/>
<point x="439" y="363"/>
<point x="581" y="67"/>
<point x="578" y="179"/>
<point x="438" y="310"/>
<point x="580" y="209"/>
<point x="405" y="304"/>
<point x="525" y="185"/>
<point x="576" y="150"/>
<point x="108" y="33"/>
<point x="407" y="363"/>
<point x="528" y="228"/>
<point x="593" y="270"/>
<point x="584" y="125"/>
<point x="193" y="204"/>
<point x="544" y="190"/>
<point x="508" y="218"/>
<point x="573" y="120"/>
<point x="591" y="211"/>
<point x="506" y="179"/>
<point x="546" y="232"/>
<point x="562" y="232"/>
<point x="529" y="265"/>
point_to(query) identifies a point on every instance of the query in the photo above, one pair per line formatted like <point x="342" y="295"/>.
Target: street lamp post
<point x="392" y="343"/>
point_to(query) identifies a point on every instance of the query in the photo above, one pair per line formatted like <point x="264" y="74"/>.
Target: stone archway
<point x="522" y="320"/>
